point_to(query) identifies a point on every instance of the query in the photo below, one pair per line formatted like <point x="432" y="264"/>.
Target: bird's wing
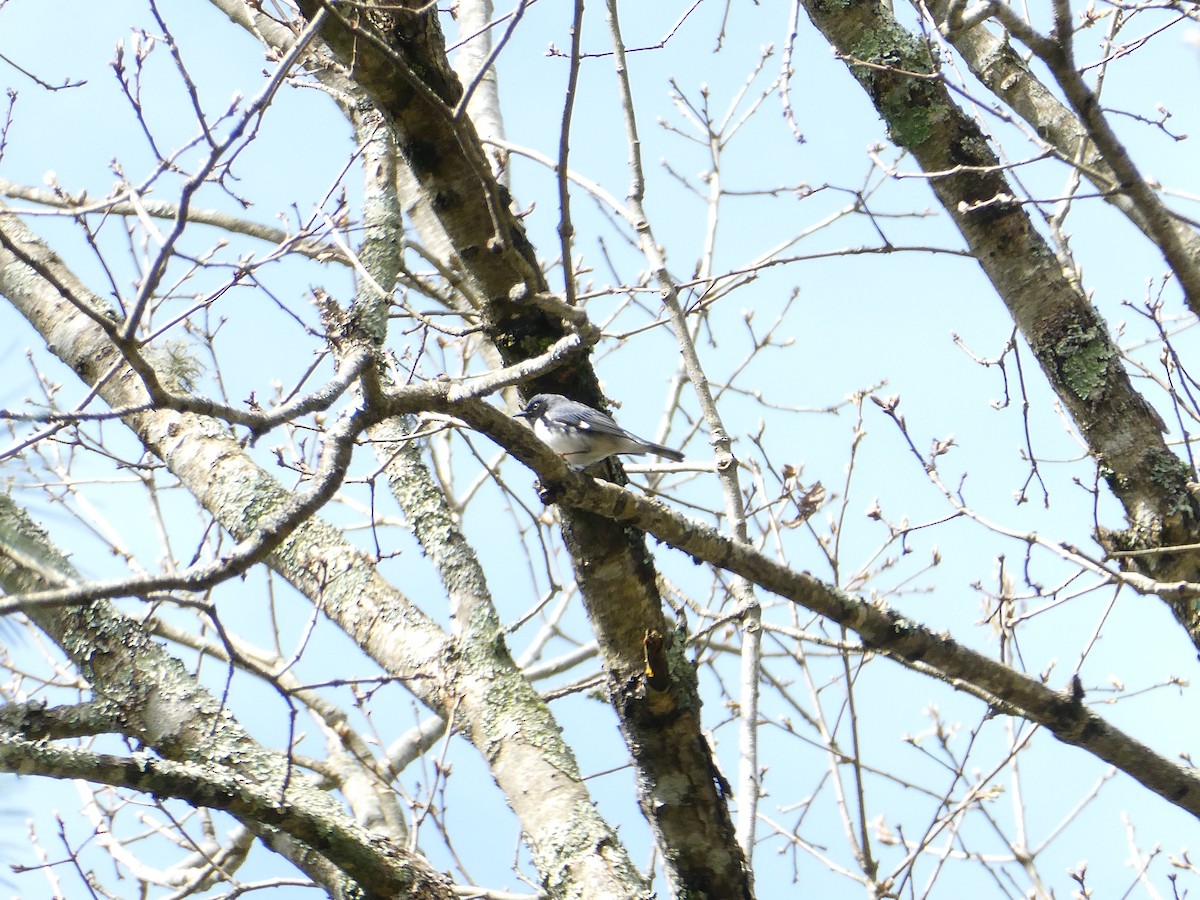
<point x="608" y="427"/>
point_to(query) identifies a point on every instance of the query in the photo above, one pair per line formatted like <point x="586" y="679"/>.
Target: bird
<point x="582" y="435"/>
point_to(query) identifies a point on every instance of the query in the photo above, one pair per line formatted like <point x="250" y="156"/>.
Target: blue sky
<point x="856" y="321"/>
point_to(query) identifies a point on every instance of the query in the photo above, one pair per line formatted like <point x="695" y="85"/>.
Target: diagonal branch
<point x="884" y="630"/>
<point x="382" y="870"/>
<point x="1081" y="135"/>
<point x="498" y="709"/>
<point x="150" y="697"/>
<point x="463" y="215"/>
<point x="1066" y="333"/>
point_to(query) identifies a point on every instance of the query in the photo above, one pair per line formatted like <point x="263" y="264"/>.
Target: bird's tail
<point x="664" y="452"/>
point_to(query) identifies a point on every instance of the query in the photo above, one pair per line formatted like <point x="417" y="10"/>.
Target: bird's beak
<point x="523" y="414"/>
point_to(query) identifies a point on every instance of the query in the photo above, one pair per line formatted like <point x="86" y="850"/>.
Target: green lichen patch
<point x="1083" y="357"/>
<point x="893" y="65"/>
<point x="1171" y="475"/>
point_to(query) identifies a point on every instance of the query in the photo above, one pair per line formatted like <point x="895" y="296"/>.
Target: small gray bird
<point x="583" y="435"/>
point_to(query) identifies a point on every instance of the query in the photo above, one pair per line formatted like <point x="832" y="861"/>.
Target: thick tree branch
<point x="475" y="623"/>
<point x="1063" y="713"/>
<point x="463" y="215"/>
<point x="36" y="721"/>
<point x="505" y="718"/>
<point x="1066" y="333"/>
<point x="148" y="696"/>
<point x="382" y="870"/>
<point x="995" y="63"/>
<point x="480" y="236"/>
